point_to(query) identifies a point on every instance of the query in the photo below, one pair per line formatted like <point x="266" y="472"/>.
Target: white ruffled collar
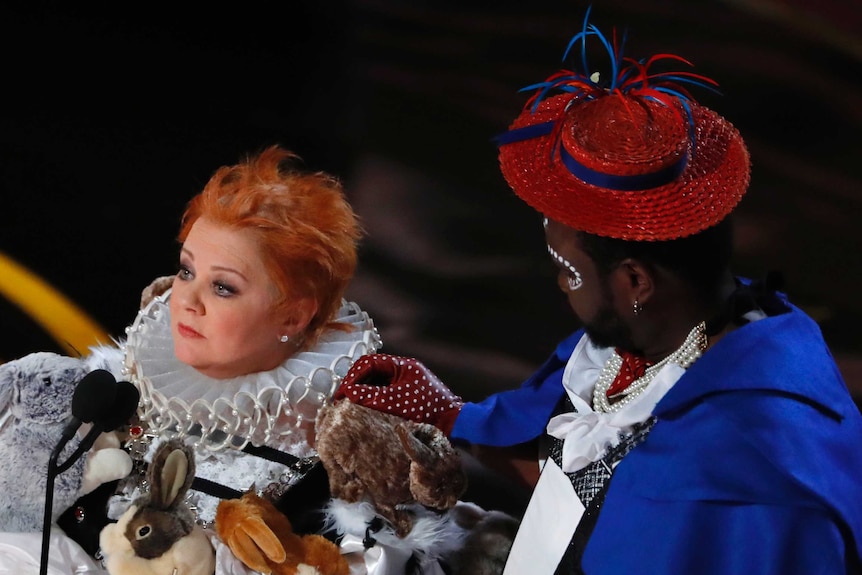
<point x="587" y="434"/>
<point x="276" y="408"/>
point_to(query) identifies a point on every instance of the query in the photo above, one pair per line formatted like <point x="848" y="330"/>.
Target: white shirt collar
<point x="586" y="434"/>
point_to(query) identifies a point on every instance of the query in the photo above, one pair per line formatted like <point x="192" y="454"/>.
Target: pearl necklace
<point x="691" y="349"/>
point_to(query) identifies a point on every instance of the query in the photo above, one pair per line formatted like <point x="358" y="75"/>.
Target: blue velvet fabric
<point x="519" y="415"/>
<point x="754" y="464"/>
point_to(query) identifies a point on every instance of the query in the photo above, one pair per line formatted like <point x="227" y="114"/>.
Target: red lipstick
<point x="186" y="331"/>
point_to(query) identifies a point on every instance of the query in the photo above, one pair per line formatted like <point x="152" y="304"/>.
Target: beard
<point x="607" y="329"/>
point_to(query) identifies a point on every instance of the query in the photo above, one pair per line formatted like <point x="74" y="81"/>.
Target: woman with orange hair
<point x="237" y="352"/>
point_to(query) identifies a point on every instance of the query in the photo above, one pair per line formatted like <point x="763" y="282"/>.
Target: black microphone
<point x="93" y="397"/>
<point x="120" y="412"/>
<point x="124" y="407"/>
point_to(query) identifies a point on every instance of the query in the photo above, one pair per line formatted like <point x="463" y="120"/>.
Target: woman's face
<point x="223" y="318"/>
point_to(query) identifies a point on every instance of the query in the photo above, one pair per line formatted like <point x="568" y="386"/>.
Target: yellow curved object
<point x="73" y="329"/>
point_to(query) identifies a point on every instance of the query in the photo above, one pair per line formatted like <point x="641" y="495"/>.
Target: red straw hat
<point x="636" y="159"/>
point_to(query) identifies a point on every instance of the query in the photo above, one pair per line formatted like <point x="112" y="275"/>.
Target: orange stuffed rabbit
<point x="263" y="539"/>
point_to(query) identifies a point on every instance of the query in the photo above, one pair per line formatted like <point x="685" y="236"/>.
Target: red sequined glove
<point x="400" y="386"/>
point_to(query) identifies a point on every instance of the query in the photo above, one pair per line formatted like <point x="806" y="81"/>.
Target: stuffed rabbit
<point x="263" y="539"/>
<point x="389" y="461"/>
<point x="36" y="393"/>
<point x="158" y="533"/>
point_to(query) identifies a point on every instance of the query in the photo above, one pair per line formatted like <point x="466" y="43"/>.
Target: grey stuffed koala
<point x="35" y="402"/>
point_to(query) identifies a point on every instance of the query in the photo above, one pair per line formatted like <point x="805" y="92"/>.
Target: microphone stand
<point x="49" y="504"/>
<point x="100" y="388"/>
<point x="128" y="399"/>
<point x="85" y="444"/>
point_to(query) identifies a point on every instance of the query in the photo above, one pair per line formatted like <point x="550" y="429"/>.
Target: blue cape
<point x="754" y="464"/>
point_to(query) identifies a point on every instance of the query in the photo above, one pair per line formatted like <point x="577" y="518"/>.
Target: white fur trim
<point x="434" y="535"/>
<point x="107" y="357"/>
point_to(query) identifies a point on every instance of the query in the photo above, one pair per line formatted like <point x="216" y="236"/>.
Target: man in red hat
<point x="697" y="422"/>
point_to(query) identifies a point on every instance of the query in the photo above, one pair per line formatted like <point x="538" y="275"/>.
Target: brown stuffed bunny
<point x="263" y="539"/>
<point x="156" y="288"/>
<point x="158" y="533"/>
<point x="389" y="461"/>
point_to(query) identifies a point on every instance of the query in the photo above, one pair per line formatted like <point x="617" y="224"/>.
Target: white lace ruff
<point x="276" y="408"/>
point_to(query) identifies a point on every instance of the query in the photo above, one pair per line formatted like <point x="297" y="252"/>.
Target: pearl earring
<point x="636" y="307"/>
<point x="284" y="339"/>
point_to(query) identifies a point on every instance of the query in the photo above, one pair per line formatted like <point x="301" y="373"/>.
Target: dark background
<point x="111" y="120"/>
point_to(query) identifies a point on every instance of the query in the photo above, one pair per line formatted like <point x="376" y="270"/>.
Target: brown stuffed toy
<point x="156" y="288"/>
<point x="388" y="461"/>
<point x="263" y="539"/>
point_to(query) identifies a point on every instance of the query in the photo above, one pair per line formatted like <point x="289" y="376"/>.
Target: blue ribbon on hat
<point x="632" y="183"/>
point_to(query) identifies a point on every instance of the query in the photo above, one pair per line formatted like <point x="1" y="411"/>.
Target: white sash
<point x="549" y="522"/>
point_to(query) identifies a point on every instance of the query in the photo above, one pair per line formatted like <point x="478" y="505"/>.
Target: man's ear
<point x="299" y="315"/>
<point x="636" y="281"/>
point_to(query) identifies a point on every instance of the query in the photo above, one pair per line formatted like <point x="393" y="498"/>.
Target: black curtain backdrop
<point x="112" y="120"/>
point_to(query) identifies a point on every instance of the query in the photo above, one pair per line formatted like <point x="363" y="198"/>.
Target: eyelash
<point x="184" y="273"/>
<point x="220" y="289"/>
